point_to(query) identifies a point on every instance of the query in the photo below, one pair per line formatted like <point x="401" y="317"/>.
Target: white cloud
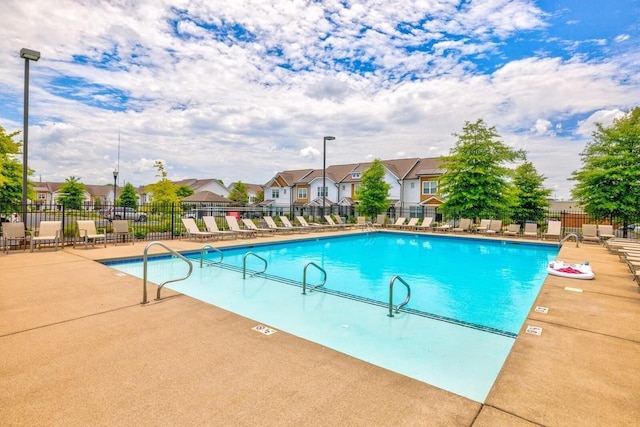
<point x="541" y="126"/>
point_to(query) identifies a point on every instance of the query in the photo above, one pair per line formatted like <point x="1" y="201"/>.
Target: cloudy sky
<point x="238" y="90"/>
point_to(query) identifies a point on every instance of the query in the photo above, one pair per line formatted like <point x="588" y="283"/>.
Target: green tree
<point x="183" y="191"/>
<point x="73" y="193"/>
<point x="164" y="191"/>
<point x="11" y="169"/>
<point x="239" y="194"/>
<point x="373" y="192"/>
<point x="259" y="196"/>
<point x="607" y="184"/>
<point x="477" y="182"/>
<point x="128" y="197"/>
<point x="530" y="196"/>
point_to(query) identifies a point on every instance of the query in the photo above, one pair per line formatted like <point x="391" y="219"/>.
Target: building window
<point x="302" y="193"/>
<point x="430" y="187"/>
<point x="356" y="175"/>
<point x="275" y="193"/>
<point x="413" y="185"/>
<point x="320" y="191"/>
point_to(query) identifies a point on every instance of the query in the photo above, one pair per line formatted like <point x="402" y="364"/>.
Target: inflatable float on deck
<point x="572" y="271"/>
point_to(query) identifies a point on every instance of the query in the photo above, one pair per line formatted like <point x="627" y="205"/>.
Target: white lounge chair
<point x="212" y="227"/>
<point x="590" y="233"/>
<point x="399" y="222"/>
<point x="193" y="232"/>
<point x="464" y="225"/>
<point x="249" y="225"/>
<point x="605" y="232"/>
<point x="495" y="227"/>
<point x="49" y="231"/>
<point x="122" y="229"/>
<point x="286" y="223"/>
<point x="313" y="226"/>
<point x="530" y="230"/>
<point x="331" y="223"/>
<point x="512" y="230"/>
<point x="484" y="226"/>
<point x="554" y="230"/>
<point x="232" y="222"/>
<point x="87" y="233"/>
<point x="411" y="225"/>
<point x="381" y="220"/>
<point x="272" y="224"/>
<point x="341" y="223"/>
<point x="14" y="232"/>
<point x="425" y="224"/>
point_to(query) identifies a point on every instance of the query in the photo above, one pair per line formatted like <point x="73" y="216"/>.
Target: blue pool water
<point x="469" y="298"/>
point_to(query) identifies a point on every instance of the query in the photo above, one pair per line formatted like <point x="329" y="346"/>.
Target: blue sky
<point x="241" y="90"/>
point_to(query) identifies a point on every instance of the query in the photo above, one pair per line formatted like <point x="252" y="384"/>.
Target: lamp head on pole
<point x="32" y="55"/>
<point x="329" y="138"/>
<point x="115" y="174"/>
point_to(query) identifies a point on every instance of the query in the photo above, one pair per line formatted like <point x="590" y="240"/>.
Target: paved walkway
<point x="78" y="349"/>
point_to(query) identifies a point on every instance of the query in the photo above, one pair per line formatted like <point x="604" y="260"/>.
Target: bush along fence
<point x="163" y="221"/>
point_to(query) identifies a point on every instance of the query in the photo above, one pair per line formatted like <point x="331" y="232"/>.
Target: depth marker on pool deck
<point x="534" y="330"/>
<point x="264" y="330"/>
<point x="541" y="309"/>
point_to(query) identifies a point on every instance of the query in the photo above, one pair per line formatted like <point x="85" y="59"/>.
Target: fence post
<point x="172" y="219"/>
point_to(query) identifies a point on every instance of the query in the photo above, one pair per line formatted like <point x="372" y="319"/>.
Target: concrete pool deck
<point x="78" y="349"/>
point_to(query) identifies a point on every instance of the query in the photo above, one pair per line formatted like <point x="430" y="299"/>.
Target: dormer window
<point x="356" y="175"/>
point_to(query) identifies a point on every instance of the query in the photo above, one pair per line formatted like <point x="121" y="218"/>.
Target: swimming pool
<point x="469" y="298"/>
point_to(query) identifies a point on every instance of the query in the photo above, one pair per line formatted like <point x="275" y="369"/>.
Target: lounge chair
<point x="285" y="222"/>
<point x="425" y="224"/>
<point x="445" y="226"/>
<point x="249" y="225"/>
<point x="381" y="220"/>
<point x="361" y="222"/>
<point x="530" y="230"/>
<point x="313" y="226"/>
<point x="232" y="222"/>
<point x="554" y="229"/>
<point x="341" y="223"/>
<point x="87" y="233"/>
<point x="605" y="232"/>
<point x="49" y="231"/>
<point x="411" y="225"/>
<point x="331" y="223"/>
<point x="14" y="231"/>
<point x="495" y="227"/>
<point x="512" y="230"/>
<point x="399" y="223"/>
<point x="590" y="233"/>
<point x="212" y="227"/>
<point x="465" y="225"/>
<point x="484" y="226"/>
<point x="272" y="224"/>
<point x="121" y="228"/>
<point x="193" y="232"/>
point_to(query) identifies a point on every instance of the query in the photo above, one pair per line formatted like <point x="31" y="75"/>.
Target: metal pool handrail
<point x="565" y="238"/>
<point x="144" y="269"/>
<point x="406" y="301"/>
<point x="205" y="247"/>
<point x="244" y="264"/>
<point x="304" y="278"/>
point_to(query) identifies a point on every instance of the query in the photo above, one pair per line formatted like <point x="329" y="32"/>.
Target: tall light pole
<point x="28" y="55"/>
<point x="324" y="171"/>
<point x="115" y="181"/>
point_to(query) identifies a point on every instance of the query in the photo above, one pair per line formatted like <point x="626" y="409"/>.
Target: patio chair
<point x="341" y="223"/>
<point x="311" y="226"/>
<point x="512" y="230"/>
<point x="250" y="225"/>
<point x="425" y="224"/>
<point x="399" y="222"/>
<point x="530" y="230"/>
<point x="272" y="224"/>
<point x="87" y="232"/>
<point x="381" y="219"/>
<point x="590" y="233"/>
<point x="14" y="232"/>
<point x="212" y="227"/>
<point x="495" y="227"/>
<point x="232" y="222"/>
<point x="605" y="232"/>
<point x="554" y="229"/>
<point x="484" y="226"/>
<point x="122" y="229"/>
<point x="193" y="232"/>
<point x="331" y="223"/>
<point x="464" y="225"/>
<point x="411" y="225"/>
<point x="286" y="223"/>
<point x="49" y="231"/>
<point x="445" y="226"/>
<point x="361" y="222"/>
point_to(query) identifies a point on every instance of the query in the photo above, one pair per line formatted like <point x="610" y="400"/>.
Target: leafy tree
<point x="476" y="182"/>
<point x="163" y="191"/>
<point x="373" y="192"/>
<point x="259" y="196"/>
<point x="530" y="196"/>
<point x="608" y="183"/>
<point x="11" y="170"/>
<point x="73" y="193"/>
<point x="128" y="197"/>
<point x="239" y="194"/>
<point x="183" y="191"/>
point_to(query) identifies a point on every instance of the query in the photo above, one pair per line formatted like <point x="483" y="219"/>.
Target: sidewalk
<point x="79" y="349"/>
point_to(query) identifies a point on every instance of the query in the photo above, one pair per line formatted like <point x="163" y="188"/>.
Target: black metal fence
<point x="163" y="221"/>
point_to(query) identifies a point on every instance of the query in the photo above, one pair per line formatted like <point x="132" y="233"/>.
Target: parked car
<point x="124" y="213"/>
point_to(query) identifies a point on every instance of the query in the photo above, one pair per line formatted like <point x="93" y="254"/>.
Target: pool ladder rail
<point x="568" y="236"/>
<point x="144" y="270"/>
<point x="406" y="301"/>
<point x="304" y="278"/>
